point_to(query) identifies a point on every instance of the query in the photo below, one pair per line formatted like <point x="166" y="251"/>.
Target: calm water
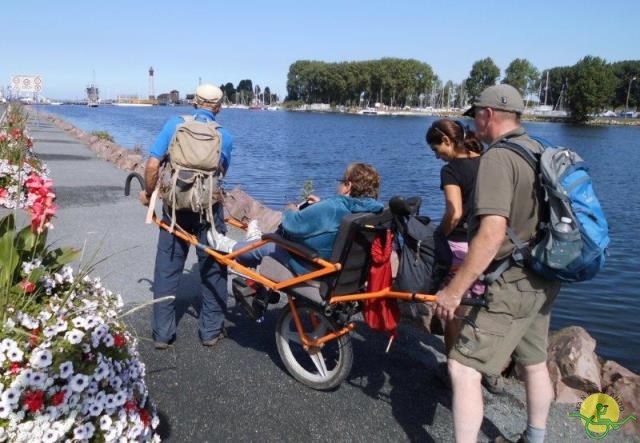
<point x="275" y="152"/>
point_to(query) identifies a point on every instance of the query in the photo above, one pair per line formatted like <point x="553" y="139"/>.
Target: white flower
<point x="110" y="401"/>
<point x="7" y="344"/>
<point x="111" y="435"/>
<point x="101" y="372"/>
<point x="80" y="433"/>
<point x="15" y="355"/>
<point x="41" y="358"/>
<point x="89" y="429"/>
<point x="27" y="321"/>
<point x="79" y="382"/>
<point x="50" y="436"/>
<point x="61" y="325"/>
<point x="74" y="336"/>
<point x="5" y="409"/>
<point x="66" y="369"/>
<point x="11" y="396"/>
<point x="50" y="331"/>
<point x="96" y="408"/>
<point x="105" y="422"/>
<point x="108" y="340"/>
<point x="120" y="398"/>
<point x="36" y="379"/>
<point x="78" y="322"/>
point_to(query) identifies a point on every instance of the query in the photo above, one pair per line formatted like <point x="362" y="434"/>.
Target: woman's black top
<point x="461" y="172"/>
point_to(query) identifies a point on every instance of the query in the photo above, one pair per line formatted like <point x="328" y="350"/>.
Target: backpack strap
<point x="522" y="251"/>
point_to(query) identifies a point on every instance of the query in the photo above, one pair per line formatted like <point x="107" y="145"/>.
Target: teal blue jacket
<point x="317" y="225"/>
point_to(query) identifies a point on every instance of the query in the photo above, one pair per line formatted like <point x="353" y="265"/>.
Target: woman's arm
<point x="453" y="210"/>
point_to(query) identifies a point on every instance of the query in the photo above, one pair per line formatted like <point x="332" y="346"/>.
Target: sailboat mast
<point x="546" y="89"/>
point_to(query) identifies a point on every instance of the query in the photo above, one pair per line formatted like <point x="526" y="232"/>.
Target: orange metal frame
<point x="324" y="268"/>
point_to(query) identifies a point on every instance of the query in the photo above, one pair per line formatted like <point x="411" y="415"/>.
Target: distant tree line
<point x="392" y="81"/>
<point x="590" y="86"/>
<point x="246" y="94"/>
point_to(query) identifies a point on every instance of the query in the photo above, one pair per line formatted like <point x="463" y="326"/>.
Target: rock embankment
<point x="123" y="158"/>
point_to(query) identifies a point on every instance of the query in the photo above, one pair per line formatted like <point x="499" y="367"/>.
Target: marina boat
<point x="132" y="104"/>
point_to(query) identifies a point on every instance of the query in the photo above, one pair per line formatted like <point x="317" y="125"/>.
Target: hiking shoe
<point x="493" y="384"/>
<point x="160" y="345"/>
<point x="253" y="231"/>
<point x="220" y="242"/>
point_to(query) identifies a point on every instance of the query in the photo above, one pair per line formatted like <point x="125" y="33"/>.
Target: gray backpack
<point x="189" y="180"/>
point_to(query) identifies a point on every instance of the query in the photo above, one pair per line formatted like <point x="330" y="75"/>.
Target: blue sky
<point x="65" y="41"/>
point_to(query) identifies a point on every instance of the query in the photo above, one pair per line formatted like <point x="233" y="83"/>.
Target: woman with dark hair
<point x="458" y="146"/>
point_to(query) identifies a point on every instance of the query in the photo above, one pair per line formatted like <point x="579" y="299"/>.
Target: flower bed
<point x="24" y="181"/>
<point x="69" y="367"/>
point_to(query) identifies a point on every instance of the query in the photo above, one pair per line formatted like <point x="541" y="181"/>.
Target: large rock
<point x="573" y="364"/>
<point x="612" y="372"/>
<point x="241" y="206"/>
<point x="626" y="392"/>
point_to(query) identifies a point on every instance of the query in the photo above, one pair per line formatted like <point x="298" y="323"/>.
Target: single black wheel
<point x="324" y="367"/>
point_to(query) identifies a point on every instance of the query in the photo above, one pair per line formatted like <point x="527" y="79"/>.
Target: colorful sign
<point x="26" y="83"/>
<point x="600" y="414"/>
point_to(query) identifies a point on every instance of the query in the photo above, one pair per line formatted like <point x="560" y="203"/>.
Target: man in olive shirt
<point x="516" y="320"/>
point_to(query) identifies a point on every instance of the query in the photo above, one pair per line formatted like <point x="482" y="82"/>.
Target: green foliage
<point x="484" y="73"/>
<point x="103" y="135"/>
<point x="391" y="81"/>
<point x="591" y="86"/>
<point x="307" y="190"/>
<point x="625" y="72"/>
<point x="523" y="76"/>
<point x="18" y="246"/>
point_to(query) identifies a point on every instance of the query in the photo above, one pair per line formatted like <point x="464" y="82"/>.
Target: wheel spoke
<point x="318" y="361"/>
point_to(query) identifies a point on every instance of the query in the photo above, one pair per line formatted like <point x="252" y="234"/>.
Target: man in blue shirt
<point x="172" y="251"/>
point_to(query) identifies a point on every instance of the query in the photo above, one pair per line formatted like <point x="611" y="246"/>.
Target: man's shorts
<point x="516" y="322"/>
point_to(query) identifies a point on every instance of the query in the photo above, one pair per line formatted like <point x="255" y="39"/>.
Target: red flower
<point x="27" y="286"/>
<point x="145" y="417"/>
<point x="33" y="339"/>
<point x="57" y="398"/>
<point x="33" y="400"/>
<point x="3" y="192"/>
<point x="119" y="340"/>
<point x="130" y="406"/>
<point x="14" y="368"/>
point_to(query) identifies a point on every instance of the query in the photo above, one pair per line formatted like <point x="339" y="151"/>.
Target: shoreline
<point x="598" y="121"/>
<point x="390" y="112"/>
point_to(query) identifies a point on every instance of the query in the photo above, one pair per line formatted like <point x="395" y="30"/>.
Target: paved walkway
<point x="239" y="390"/>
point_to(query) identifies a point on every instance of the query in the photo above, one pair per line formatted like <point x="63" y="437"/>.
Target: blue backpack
<point x="572" y="241"/>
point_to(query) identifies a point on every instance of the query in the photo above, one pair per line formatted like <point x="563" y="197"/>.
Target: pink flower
<point x="41" y="197"/>
<point x="27" y="286"/>
<point x="16" y="133"/>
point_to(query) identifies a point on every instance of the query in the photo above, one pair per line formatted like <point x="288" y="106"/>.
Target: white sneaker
<point x="220" y="242"/>
<point x="253" y="231"/>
